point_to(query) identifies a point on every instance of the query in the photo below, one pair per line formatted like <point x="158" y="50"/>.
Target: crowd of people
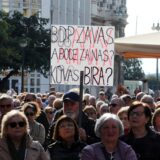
<point x="53" y="126"/>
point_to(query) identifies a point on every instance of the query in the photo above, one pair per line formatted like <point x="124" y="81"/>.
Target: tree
<point x="36" y="54"/>
<point x="133" y="69"/>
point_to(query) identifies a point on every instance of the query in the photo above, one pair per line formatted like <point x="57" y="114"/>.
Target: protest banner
<point x="82" y="48"/>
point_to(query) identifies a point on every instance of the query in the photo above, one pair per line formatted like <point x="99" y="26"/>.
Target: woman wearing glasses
<point x="108" y="127"/>
<point x="15" y="142"/>
<point x="37" y="130"/>
<point x="66" y="136"/>
<point x="143" y="140"/>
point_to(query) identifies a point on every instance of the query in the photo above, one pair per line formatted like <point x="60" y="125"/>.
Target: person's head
<point x="71" y="104"/>
<point x="149" y="100"/>
<point x="49" y="111"/>
<point x="126" y="99"/>
<point x="98" y="104"/>
<point x="90" y="111"/>
<point x="139" y="115"/>
<point x="51" y="99"/>
<point x="58" y="104"/>
<point x="86" y="98"/>
<point x="31" y="110"/>
<point x="30" y="97"/>
<point x="139" y="95"/>
<point x="6" y="103"/>
<point x="115" y="105"/>
<point x="14" y="125"/>
<point x="109" y="127"/>
<point x="92" y="100"/>
<point x="123" y="115"/>
<point x="156" y="119"/>
<point x="104" y="108"/>
<point x="65" y="129"/>
<point x="102" y="95"/>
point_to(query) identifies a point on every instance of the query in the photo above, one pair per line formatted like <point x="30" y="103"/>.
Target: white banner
<point x="82" y="48"/>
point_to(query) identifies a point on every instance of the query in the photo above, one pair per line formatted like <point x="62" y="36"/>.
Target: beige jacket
<point x="34" y="150"/>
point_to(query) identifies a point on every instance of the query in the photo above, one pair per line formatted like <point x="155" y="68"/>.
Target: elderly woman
<point x="15" y="142"/>
<point x="37" y="130"/>
<point x="108" y="127"/>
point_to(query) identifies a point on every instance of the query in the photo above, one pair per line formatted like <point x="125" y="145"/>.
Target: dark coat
<point x="59" y="150"/>
<point x="146" y="148"/>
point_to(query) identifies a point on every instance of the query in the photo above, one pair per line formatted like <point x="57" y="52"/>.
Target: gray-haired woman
<point x="15" y="142"/>
<point x="108" y="127"/>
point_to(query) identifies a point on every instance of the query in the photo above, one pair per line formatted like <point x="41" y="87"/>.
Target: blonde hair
<point x="7" y="117"/>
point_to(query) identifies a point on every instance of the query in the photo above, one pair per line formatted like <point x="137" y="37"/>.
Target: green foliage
<point x="133" y="69"/>
<point x="14" y="29"/>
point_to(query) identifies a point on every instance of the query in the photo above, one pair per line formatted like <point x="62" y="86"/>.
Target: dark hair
<point x="155" y="114"/>
<point x="34" y="106"/>
<point x="56" y="135"/>
<point x="147" y="110"/>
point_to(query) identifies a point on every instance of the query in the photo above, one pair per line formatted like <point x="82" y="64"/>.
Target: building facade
<point x="34" y="81"/>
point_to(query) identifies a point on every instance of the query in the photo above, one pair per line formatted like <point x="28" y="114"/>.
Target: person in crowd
<point x="6" y="105"/>
<point x="156" y="120"/>
<point x="71" y="109"/>
<point x="108" y="127"/>
<point x="15" y="142"/>
<point x="115" y="105"/>
<point x="30" y="97"/>
<point x="40" y="103"/>
<point x="92" y="100"/>
<point x="123" y="115"/>
<point x="37" y="130"/>
<point x="139" y="95"/>
<point x="102" y="97"/>
<point x="86" y="98"/>
<point x="127" y="99"/>
<point x="144" y="141"/>
<point x="91" y="112"/>
<point x="98" y="104"/>
<point x="59" y="95"/>
<point x="67" y="145"/>
<point x="150" y="101"/>
<point x="57" y="104"/>
<point x="50" y="113"/>
<point x="104" y="108"/>
<point x="51" y="99"/>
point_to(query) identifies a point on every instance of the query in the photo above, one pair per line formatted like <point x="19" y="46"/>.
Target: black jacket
<point x="59" y="150"/>
<point x="146" y="148"/>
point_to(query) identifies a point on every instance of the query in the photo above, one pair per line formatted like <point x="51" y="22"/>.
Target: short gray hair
<point x="105" y="117"/>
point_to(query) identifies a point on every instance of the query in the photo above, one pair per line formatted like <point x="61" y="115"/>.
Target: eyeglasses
<point x="66" y="125"/>
<point x="113" y="105"/>
<point x="5" y="106"/>
<point x="50" y="112"/>
<point x="27" y="100"/>
<point x="138" y="114"/>
<point x="14" y="124"/>
<point x="29" y="114"/>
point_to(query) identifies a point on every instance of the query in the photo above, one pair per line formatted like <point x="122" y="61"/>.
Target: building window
<point x="32" y="90"/>
<point x="32" y="82"/>
<point x="32" y="75"/>
<point x="38" y="90"/>
<point x="38" y="82"/>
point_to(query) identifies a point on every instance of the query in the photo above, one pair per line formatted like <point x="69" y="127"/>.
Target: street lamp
<point x="22" y="44"/>
<point x="157" y="28"/>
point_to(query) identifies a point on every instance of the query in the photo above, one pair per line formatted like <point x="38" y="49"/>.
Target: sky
<point x="141" y="16"/>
